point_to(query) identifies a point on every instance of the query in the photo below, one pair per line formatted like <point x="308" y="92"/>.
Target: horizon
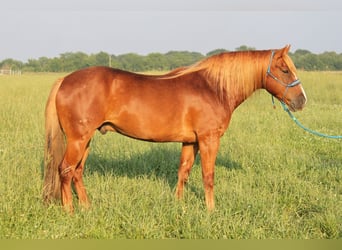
<point x="157" y="52"/>
<point x="37" y="28"/>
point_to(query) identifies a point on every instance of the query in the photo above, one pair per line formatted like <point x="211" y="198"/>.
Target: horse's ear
<point x="286" y="49"/>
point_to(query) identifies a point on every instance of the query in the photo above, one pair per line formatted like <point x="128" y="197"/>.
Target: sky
<point x="35" y="28"/>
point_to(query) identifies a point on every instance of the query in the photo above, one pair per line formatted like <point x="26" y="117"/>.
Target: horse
<point x="191" y="105"/>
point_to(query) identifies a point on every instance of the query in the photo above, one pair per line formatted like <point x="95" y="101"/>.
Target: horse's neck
<point x="239" y="89"/>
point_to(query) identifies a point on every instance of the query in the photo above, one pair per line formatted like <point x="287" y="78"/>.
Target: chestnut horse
<point x="191" y="105"/>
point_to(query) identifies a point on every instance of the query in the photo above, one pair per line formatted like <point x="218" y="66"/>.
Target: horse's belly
<point x="156" y="132"/>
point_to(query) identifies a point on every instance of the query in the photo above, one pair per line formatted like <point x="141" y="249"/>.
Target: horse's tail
<point x="54" y="148"/>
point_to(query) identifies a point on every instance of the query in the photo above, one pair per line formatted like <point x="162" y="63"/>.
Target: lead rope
<point x="302" y="126"/>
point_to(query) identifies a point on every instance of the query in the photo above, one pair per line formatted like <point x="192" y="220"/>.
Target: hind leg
<point x="74" y="152"/>
<point x="78" y="181"/>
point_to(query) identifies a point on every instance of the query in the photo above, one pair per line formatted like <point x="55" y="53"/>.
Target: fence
<point x="10" y="72"/>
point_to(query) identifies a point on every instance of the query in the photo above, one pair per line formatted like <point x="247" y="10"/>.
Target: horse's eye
<point x="285" y="71"/>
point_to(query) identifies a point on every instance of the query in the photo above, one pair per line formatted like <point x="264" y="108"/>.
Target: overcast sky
<point x="36" y="28"/>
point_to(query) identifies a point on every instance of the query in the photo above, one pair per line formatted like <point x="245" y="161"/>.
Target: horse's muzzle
<point x="298" y="103"/>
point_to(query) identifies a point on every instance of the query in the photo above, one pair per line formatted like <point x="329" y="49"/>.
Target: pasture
<point x="272" y="179"/>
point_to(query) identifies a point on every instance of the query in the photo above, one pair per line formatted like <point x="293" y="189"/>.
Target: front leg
<point x="189" y="152"/>
<point x="208" y="146"/>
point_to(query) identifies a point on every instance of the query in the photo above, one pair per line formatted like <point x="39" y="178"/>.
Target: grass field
<point x="273" y="180"/>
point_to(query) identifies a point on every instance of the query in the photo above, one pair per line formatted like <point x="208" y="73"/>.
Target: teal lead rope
<point x="303" y="127"/>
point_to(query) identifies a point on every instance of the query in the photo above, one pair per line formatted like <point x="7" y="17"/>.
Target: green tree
<point x="71" y="61"/>
<point x="11" y="63"/>
<point x="331" y="61"/>
<point x="216" y="51"/>
<point x="102" y="58"/>
<point x="32" y="65"/>
<point x="55" y="64"/>
<point x="312" y="62"/>
<point x="132" y="62"/>
<point x="177" y="59"/>
<point x="156" y="61"/>
<point x="244" y="48"/>
<point x="302" y="52"/>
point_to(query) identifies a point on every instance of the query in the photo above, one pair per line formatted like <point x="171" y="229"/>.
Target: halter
<point x="290" y="85"/>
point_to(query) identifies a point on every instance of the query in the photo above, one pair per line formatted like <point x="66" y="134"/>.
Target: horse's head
<point x="282" y="82"/>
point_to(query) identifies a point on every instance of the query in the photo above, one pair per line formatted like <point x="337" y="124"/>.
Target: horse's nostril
<point x="299" y="103"/>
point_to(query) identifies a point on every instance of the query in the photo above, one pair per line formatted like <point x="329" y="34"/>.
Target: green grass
<point x="273" y="180"/>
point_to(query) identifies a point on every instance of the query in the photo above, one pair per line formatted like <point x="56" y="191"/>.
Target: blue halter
<point x="290" y="85"/>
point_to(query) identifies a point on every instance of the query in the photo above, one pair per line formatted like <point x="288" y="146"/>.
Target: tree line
<point x="70" y="61"/>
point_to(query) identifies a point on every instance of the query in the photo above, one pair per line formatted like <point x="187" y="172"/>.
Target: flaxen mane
<point x="230" y="72"/>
